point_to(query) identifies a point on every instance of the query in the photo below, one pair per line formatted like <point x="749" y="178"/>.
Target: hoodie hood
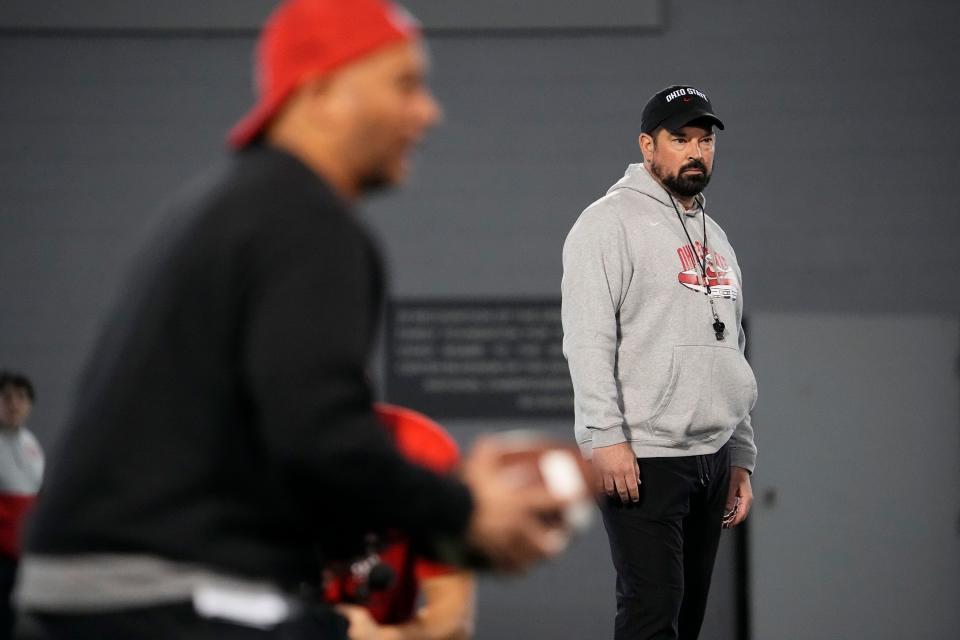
<point x="638" y="178"/>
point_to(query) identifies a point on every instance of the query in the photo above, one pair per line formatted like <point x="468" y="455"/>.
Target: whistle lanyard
<point x="718" y="326"/>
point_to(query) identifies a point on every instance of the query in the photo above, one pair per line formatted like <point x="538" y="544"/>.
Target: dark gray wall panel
<point x="884" y="422"/>
<point x="139" y="15"/>
<point x="538" y="14"/>
<point x="249" y="14"/>
<point x="93" y="138"/>
<point x="823" y="181"/>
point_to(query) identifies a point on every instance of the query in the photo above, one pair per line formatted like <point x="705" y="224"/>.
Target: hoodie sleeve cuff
<point x="743" y="458"/>
<point x="608" y="437"/>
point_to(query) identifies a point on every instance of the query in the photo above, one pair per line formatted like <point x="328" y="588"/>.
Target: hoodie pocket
<point x="710" y="390"/>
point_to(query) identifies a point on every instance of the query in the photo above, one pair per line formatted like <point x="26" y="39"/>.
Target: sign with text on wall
<point x="474" y="358"/>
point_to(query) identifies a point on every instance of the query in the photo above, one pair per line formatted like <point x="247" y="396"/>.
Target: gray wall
<point x="233" y="15"/>
<point x="834" y="182"/>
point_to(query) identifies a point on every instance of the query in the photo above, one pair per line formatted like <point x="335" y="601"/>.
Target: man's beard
<point x="375" y="182"/>
<point x="684" y="186"/>
<point x="376" y="152"/>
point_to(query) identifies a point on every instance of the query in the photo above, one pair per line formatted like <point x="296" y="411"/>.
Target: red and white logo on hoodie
<point x="720" y="276"/>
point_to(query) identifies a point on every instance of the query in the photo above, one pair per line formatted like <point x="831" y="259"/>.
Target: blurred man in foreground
<point x="21" y="471"/>
<point x="223" y="446"/>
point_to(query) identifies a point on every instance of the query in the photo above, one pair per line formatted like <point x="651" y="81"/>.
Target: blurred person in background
<point x="223" y="445"/>
<point x="393" y="612"/>
<point x="21" y="472"/>
<point x="652" y="307"/>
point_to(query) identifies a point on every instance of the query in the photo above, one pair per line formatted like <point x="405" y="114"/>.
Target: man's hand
<point x="362" y="624"/>
<point x="446" y="614"/>
<point x="739" y="498"/>
<point x="513" y="526"/>
<point x="617" y="471"/>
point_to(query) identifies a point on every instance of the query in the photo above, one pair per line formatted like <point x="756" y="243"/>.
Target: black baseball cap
<point x="675" y="107"/>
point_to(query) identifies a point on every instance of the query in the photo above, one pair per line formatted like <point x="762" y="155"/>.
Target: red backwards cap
<point x="418" y="438"/>
<point x="304" y="39"/>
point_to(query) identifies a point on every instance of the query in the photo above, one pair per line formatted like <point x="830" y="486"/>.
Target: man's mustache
<point x="694" y="164"/>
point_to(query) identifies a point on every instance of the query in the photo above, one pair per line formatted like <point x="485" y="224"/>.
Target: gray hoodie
<point x="645" y="362"/>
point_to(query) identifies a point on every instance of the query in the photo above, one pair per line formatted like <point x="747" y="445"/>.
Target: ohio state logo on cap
<point x="676" y="106"/>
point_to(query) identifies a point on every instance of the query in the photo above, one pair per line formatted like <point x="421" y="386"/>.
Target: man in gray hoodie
<point x="652" y="305"/>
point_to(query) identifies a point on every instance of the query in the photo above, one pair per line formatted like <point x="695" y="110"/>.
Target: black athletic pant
<point x="664" y="546"/>
<point x="8" y="576"/>
<point x="175" y="622"/>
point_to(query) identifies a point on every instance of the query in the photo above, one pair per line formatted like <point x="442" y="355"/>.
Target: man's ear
<point x="647" y="145"/>
<point x="316" y="94"/>
<point x="327" y="104"/>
